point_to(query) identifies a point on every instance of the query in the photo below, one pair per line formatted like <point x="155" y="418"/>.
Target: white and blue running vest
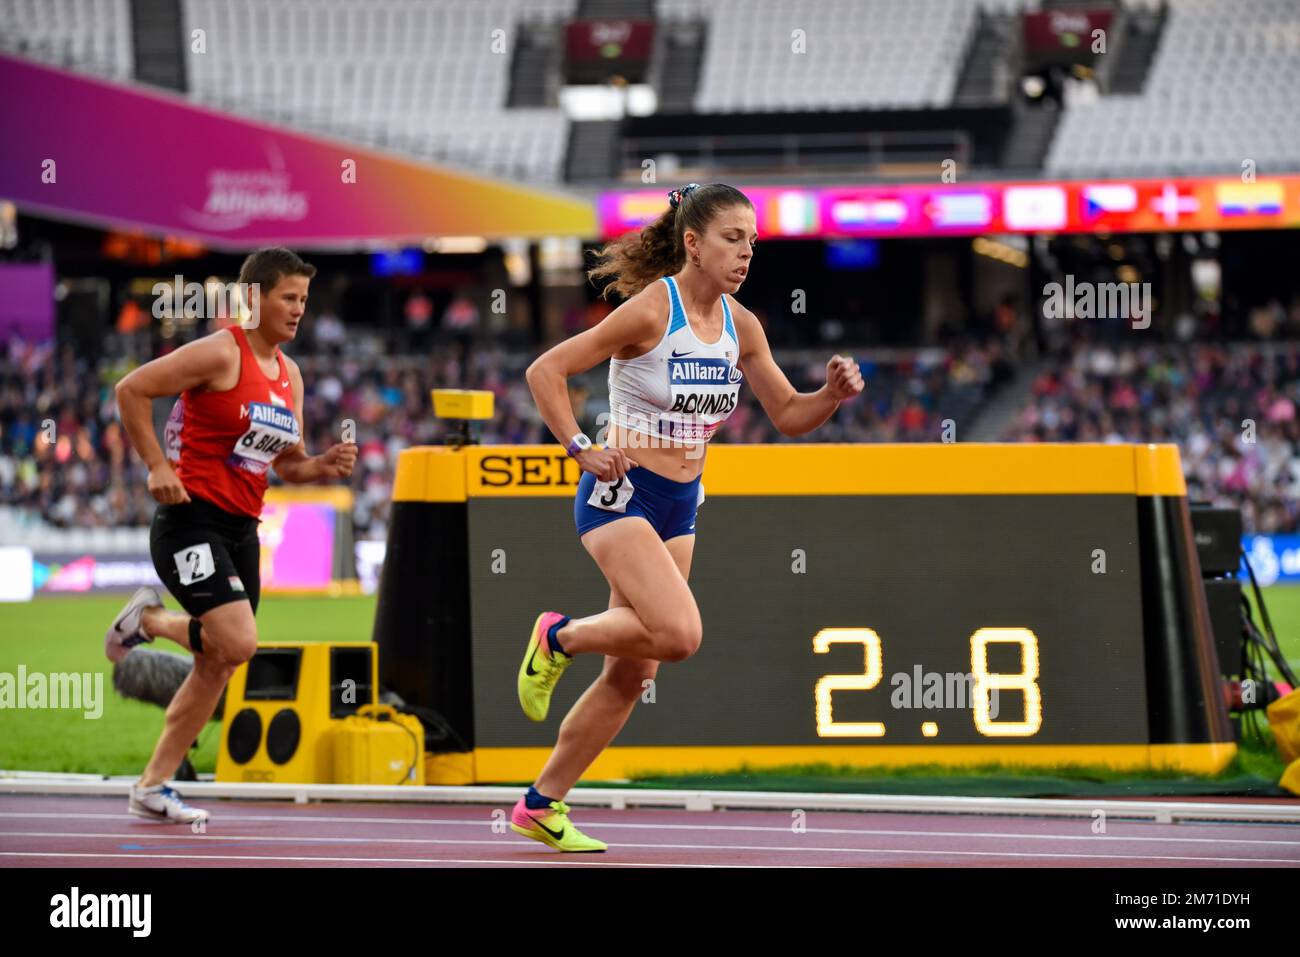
<point x="682" y="389"/>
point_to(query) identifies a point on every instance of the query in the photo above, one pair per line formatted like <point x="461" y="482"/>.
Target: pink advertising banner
<point x="87" y="150"/>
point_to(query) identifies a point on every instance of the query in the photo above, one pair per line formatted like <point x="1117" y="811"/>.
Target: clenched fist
<point x="843" y="378"/>
<point x="165" y="487"/>
<point x="338" y="460"/>
<point x="606" y="464"/>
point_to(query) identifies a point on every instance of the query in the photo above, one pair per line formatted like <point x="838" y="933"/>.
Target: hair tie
<point x="676" y="196"/>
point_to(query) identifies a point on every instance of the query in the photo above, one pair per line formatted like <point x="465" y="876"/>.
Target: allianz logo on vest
<point x="262" y="414"/>
<point x="699" y="371"/>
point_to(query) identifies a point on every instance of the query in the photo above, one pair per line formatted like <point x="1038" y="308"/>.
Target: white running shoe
<point x="127" y="630"/>
<point x="161" y="803"/>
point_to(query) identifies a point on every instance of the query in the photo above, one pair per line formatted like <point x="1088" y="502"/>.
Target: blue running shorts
<point x="667" y="505"/>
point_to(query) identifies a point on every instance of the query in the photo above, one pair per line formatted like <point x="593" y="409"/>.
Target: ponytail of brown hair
<point x="638" y="258"/>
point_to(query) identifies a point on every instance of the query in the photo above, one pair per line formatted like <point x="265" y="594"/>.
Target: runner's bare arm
<point x="636" y="320"/>
<point x="793" y="413"/>
<point x="294" y="464"/>
<point x="193" y="365"/>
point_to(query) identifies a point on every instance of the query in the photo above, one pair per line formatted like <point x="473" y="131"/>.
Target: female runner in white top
<point x="705" y="242"/>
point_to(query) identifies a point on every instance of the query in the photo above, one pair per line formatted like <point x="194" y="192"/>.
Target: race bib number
<point x="172" y="432"/>
<point x="703" y="391"/>
<point x="271" y="430"/>
<point x="612" y="496"/>
<point x="195" y="563"/>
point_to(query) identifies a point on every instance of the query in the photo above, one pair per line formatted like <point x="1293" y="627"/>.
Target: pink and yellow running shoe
<point x="551" y="826"/>
<point x="541" y="668"/>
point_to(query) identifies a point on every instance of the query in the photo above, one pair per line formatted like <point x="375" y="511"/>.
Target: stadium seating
<point x="421" y="76"/>
<point x="21" y="527"/>
<point x="1222" y="90"/>
<point x="90" y="36"/>
<point x="413" y="75"/>
<point x="861" y="54"/>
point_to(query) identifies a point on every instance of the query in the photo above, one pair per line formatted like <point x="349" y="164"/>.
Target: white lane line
<point x="869" y="832"/>
<point x="698" y="800"/>
<point x="1294" y="827"/>
<point x="679" y="847"/>
<point x="539" y="861"/>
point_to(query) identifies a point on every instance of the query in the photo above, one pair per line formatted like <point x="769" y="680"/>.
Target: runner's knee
<point x="628" y="677"/>
<point x="229" y="641"/>
<point x="240" y="648"/>
<point x="680" y="639"/>
<point x="214" y="668"/>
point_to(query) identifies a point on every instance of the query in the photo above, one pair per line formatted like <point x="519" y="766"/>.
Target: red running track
<point x="57" y="831"/>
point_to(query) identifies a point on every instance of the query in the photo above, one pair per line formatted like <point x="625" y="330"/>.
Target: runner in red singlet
<point x="239" y="415"/>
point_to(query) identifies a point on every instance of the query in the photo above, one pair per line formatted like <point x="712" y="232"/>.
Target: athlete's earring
<point x="695" y="260"/>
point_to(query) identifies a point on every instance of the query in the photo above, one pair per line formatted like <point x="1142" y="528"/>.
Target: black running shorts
<point x="205" y="555"/>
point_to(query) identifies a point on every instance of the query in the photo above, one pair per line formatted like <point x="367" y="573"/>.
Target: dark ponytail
<point x="638" y="258"/>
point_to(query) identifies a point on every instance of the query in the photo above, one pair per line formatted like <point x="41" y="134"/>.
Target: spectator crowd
<point x="1230" y="408"/>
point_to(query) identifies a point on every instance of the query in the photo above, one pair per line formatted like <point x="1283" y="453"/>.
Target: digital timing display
<point x="845" y="619"/>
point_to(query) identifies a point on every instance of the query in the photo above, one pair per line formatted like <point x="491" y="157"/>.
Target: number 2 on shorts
<point x="195" y="563"/>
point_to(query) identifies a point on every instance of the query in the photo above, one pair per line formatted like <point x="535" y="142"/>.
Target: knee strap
<point x="196" y="643"/>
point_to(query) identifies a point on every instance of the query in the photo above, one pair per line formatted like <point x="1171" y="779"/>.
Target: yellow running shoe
<point x="551" y="826"/>
<point x="541" y="668"/>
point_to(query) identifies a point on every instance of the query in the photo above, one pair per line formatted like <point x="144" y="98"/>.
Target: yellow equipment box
<point x="463" y="403"/>
<point x="379" y="746"/>
<point x="283" y="704"/>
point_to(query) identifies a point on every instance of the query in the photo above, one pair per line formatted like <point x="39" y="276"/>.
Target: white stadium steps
<point x="420" y="76"/>
<point x="860" y="54"/>
<point x="90" y="36"/>
<point x="1222" y="90"/>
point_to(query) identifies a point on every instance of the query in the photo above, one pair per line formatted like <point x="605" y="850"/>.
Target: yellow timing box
<point x="379" y="746"/>
<point x="463" y="403"/>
